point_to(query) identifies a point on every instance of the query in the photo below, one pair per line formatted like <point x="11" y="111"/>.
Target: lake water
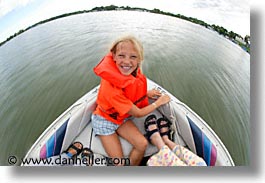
<point x="47" y="68"/>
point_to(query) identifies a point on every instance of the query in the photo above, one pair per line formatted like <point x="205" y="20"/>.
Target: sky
<point x="234" y="15"/>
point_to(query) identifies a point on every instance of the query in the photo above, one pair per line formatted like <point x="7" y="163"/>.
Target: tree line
<point x="221" y="30"/>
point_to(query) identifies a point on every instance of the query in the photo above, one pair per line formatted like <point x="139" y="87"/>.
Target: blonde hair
<point x="136" y="43"/>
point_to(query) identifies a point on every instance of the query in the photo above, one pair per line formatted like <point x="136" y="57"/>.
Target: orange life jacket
<point x="134" y="88"/>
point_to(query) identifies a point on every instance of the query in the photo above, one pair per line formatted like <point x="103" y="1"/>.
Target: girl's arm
<point x="137" y="112"/>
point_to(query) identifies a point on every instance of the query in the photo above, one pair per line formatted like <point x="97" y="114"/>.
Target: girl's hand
<point x="163" y="99"/>
<point x="153" y="94"/>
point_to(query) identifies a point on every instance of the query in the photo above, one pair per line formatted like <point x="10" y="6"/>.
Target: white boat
<point x="190" y="130"/>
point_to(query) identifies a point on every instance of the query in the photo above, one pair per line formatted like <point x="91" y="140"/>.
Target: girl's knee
<point x="145" y="143"/>
<point x="141" y="144"/>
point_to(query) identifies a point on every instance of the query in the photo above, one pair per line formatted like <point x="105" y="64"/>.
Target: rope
<point x="91" y="136"/>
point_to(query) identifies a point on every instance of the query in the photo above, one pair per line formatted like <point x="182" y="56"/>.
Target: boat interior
<point x="88" y="138"/>
<point x="188" y="130"/>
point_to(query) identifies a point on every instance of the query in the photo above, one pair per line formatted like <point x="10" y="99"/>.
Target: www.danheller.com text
<point x="65" y="161"/>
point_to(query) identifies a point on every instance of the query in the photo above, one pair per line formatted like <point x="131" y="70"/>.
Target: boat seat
<point x="97" y="147"/>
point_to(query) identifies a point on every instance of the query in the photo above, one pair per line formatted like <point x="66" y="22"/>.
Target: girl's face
<point x="126" y="57"/>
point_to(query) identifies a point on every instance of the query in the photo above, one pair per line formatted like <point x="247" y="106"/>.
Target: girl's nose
<point x="126" y="59"/>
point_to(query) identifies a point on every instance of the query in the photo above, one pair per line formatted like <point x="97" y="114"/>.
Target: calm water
<point x="44" y="70"/>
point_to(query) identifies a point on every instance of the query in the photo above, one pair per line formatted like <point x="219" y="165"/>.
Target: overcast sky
<point x="234" y="15"/>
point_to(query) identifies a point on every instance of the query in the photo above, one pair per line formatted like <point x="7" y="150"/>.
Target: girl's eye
<point x="133" y="57"/>
<point x="121" y="56"/>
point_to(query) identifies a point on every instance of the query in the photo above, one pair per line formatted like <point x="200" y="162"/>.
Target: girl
<point x="123" y="95"/>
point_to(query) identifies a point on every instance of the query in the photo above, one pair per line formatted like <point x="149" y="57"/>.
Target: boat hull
<point x="190" y="130"/>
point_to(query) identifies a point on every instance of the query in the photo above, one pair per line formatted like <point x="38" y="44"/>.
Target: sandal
<point x="87" y="154"/>
<point x="150" y="120"/>
<point x="75" y="147"/>
<point x="165" y="125"/>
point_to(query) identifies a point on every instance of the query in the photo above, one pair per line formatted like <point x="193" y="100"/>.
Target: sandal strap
<point x="150" y="120"/>
<point x="87" y="152"/>
<point x="75" y="148"/>
<point x="72" y="146"/>
<point x="150" y="133"/>
<point x="70" y="155"/>
<point x="149" y="123"/>
<point x="166" y="124"/>
<point x="165" y="133"/>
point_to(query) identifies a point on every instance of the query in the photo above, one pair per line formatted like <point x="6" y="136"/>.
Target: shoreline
<point x="234" y="37"/>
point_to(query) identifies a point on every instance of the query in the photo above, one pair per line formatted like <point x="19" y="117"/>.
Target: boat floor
<point x="86" y="138"/>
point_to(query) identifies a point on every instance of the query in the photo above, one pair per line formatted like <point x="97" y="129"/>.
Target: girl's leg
<point x="184" y="154"/>
<point x="130" y="132"/>
<point x="106" y="131"/>
<point x="188" y="157"/>
<point x="112" y="145"/>
<point x="164" y="157"/>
